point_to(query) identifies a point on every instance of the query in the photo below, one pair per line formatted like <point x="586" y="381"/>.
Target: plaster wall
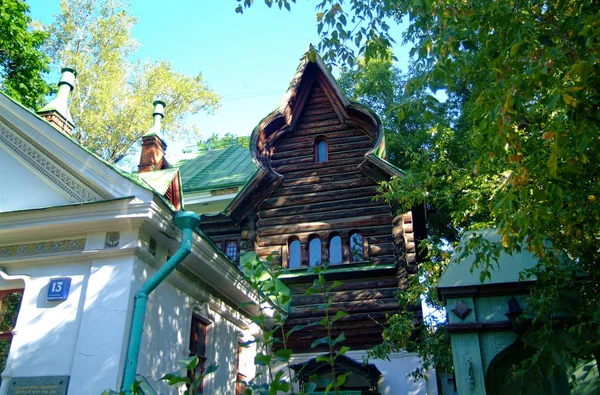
<point x="83" y="336"/>
<point x="45" y="335"/>
<point x="21" y="188"/>
<point x="167" y="334"/>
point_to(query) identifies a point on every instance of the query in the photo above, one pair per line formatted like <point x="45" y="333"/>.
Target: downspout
<point x="187" y="222"/>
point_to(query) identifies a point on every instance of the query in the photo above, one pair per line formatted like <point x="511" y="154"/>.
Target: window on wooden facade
<point x="294" y="253"/>
<point x="356" y="247"/>
<point x="321" y="148"/>
<point x="335" y="249"/>
<point x="314" y="251"/>
<point x="198" y="347"/>
<point x="231" y="250"/>
<point x="10" y="303"/>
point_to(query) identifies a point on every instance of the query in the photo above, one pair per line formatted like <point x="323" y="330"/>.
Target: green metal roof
<point x="216" y="169"/>
<point x="460" y="273"/>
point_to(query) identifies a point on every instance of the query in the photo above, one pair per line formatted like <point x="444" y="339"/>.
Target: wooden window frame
<point x="240" y="378"/>
<point x="237" y="249"/>
<point x="198" y="322"/>
<point x="362" y="247"/>
<point x="310" y="240"/>
<point x="319" y="140"/>
<point x="292" y="239"/>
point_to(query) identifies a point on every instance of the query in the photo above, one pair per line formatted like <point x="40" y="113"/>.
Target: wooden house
<point x="310" y="198"/>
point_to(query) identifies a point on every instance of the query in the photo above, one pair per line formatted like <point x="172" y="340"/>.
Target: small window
<point x="356" y="247"/>
<point x="231" y="250"/>
<point x="335" y="249"/>
<point x="314" y="251"/>
<point x="10" y="304"/>
<point x="240" y="382"/>
<point x="294" y="252"/>
<point x="321" y="154"/>
<point x="198" y="347"/>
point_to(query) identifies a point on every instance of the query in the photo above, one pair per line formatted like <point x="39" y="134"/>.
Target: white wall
<point x="167" y="333"/>
<point x="21" y="188"/>
<point x="45" y="335"/>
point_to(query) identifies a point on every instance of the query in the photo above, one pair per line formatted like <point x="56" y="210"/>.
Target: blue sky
<point x="247" y="59"/>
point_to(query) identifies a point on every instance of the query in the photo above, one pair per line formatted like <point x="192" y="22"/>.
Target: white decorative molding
<point x="58" y="172"/>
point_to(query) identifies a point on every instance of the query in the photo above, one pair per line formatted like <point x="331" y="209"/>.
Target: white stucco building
<point x="66" y="214"/>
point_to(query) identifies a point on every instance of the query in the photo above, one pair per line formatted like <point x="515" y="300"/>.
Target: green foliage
<point x="227" y="140"/>
<point x="22" y="62"/>
<point x="189" y="366"/>
<point x="263" y="278"/>
<point x="513" y="148"/>
<point x="112" y="102"/>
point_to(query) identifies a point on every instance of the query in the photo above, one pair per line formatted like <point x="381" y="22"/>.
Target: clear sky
<point x="249" y="59"/>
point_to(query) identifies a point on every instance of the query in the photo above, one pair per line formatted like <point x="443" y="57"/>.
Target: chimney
<point x="57" y="111"/>
<point x="153" y="146"/>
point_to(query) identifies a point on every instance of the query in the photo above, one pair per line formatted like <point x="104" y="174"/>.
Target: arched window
<point x="314" y="251"/>
<point x="321" y="154"/>
<point x="294" y="260"/>
<point x="356" y="247"/>
<point x="231" y="250"/>
<point x="335" y="249"/>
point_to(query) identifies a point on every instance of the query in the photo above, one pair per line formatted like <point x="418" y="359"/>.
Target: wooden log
<point x="328" y="215"/>
<point x="344" y="296"/>
<point x="386" y="282"/>
<point x="318" y="124"/>
<point x="284" y="150"/>
<point x="322" y="179"/>
<point x="349" y="319"/>
<point x="326" y="169"/>
<point x="283" y="169"/>
<point x="311" y="111"/>
<point x="332" y="132"/>
<point x="332" y="225"/>
<point x="325" y="186"/>
<point x="309" y="118"/>
<point x="321" y="207"/>
<point x="317" y="197"/>
<point x="303" y="160"/>
<point x="360" y="306"/>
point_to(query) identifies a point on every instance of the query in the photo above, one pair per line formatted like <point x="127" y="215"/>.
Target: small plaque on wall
<point x="45" y="385"/>
<point x="58" y="288"/>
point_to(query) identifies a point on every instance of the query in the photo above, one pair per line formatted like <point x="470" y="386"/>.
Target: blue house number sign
<point x="58" y="288"/>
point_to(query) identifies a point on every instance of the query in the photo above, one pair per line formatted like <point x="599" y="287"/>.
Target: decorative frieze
<point x="45" y="163"/>
<point x="42" y="247"/>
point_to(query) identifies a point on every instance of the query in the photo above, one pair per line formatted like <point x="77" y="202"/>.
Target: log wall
<point x="322" y="198"/>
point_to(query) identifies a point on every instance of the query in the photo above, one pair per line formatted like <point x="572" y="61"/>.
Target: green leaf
<point x="338" y="314"/>
<point x="174" y="378"/>
<point x="338" y="339"/>
<point x="317" y="342"/>
<point x="283" y="355"/>
<point x="262" y="360"/>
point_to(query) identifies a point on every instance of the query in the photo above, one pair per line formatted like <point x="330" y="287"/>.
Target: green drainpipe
<point x="187" y="221"/>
